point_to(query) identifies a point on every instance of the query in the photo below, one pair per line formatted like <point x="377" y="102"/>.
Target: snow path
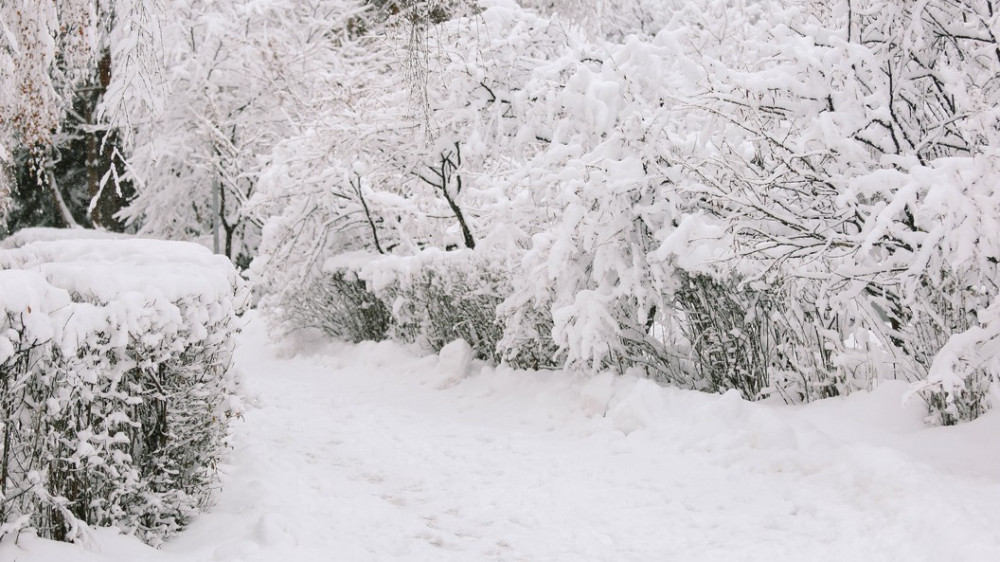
<point x="357" y="453"/>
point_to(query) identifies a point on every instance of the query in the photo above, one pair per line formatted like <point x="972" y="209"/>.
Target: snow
<point x="358" y="452"/>
<point x="454" y="362"/>
<point x="120" y="264"/>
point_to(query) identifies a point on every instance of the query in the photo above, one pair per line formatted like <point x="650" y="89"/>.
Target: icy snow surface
<point x="360" y="453"/>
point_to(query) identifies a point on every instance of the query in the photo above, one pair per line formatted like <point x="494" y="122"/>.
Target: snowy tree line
<point x="787" y="197"/>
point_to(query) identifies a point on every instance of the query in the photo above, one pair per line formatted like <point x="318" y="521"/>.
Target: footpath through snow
<point x="371" y="453"/>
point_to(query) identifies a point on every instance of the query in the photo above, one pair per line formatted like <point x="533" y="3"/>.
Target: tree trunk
<point x="106" y="200"/>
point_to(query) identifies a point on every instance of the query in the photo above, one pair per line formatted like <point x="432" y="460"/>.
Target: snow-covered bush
<point x="434" y="297"/>
<point x="732" y="334"/>
<point x="851" y="175"/>
<point x="950" y="282"/>
<point x="340" y="305"/>
<point x="414" y="177"/>
<point x="117" y="386"/>
<point x="323" y="211"/>
<point x="592" y="290"/>
<point x="526" y="318"/>
<point x="964" y="379"/>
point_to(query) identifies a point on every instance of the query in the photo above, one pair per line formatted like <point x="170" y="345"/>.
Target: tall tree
<point x="49" y="48"/>
<point x="60" y="55"/>
<point x="196" y="153"/>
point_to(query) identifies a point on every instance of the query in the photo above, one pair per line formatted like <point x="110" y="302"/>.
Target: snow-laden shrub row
<point x="743" y="194"/>
<point x="433" y="297"/>
<point x="116" y="386"/>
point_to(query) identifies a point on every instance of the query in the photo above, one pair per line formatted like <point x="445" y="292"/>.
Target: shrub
<point x="116" y="384"/>
<point x="340" y="305"/>
<point x="527" y="341"/>
<point x="434" y="296"/>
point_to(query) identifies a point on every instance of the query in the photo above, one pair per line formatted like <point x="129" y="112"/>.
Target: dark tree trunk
<point x="101" y="154"/>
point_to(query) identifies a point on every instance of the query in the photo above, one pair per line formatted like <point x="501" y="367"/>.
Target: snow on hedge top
<point x="381" y="271"/>
<point x="102" y="266"/>
<point x="39" y="306"/>
<point x="70" y="287"/>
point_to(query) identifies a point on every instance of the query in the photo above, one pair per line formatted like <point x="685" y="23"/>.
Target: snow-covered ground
<point x="372" y="453"/>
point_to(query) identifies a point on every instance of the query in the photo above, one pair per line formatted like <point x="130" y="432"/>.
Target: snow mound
<point x="454" y="362"/>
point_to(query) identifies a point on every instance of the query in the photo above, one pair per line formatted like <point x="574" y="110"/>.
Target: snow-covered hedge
<point x="116" y="384"/>
<point x="339" y="304"/>
<point x="434" y="297"/>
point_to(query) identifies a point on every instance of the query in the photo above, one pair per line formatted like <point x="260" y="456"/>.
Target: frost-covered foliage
<point x="433" y="297"/>
<point x="200" y="143"/>
<point x="850" y="168"/>
<point x="7" y="135"/>
<point x="784" y="197"/>
<point x="47" y="50"/>
<point x="117" y="387"/>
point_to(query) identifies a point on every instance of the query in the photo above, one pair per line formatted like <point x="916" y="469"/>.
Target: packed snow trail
<point x="373" y="453"/>
<point x="356" y="454"/>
